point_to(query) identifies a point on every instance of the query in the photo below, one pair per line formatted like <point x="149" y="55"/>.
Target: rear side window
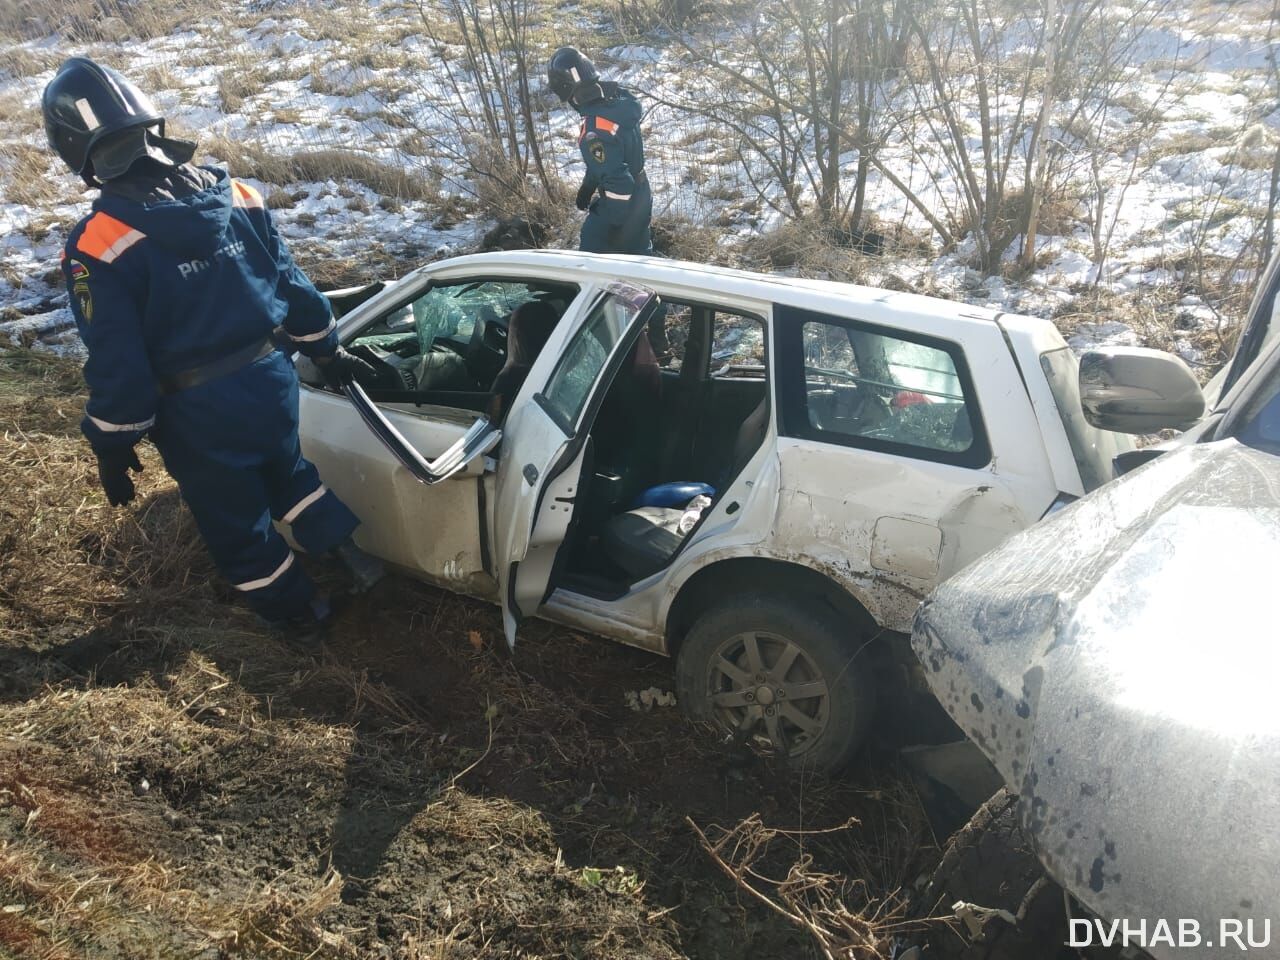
<point x="737" y="347"/>
<point x="864" y="386"/>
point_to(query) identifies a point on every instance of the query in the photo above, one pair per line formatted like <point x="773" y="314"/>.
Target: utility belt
<point x="641" y="180"/>
<point x="216" y="368"/>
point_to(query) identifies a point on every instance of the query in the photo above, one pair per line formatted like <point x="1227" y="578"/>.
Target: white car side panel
<point x="885" y="527"/>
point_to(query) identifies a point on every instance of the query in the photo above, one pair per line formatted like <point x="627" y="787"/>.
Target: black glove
<point x="343" y="366"/>
<point x="585" y="193"/>
<point x="113" y="472"/>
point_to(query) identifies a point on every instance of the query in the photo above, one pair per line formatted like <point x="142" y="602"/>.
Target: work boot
<point x="365" y="570"/>
<point x="308" y="629"/>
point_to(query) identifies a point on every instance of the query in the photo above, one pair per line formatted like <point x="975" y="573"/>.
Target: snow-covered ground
<point x="259" y="79"/>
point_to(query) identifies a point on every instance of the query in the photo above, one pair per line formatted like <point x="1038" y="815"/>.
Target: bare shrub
<point x="800" y="84"/>
<point x="486" y="130"/>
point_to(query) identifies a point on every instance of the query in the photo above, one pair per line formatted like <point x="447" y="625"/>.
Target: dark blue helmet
<point x="569" y="71"/>
<point x="86" y="109"/>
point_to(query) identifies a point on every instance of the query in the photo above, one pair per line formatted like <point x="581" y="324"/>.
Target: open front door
<point x="479" y="440"/>
<point x="546" y="444"/>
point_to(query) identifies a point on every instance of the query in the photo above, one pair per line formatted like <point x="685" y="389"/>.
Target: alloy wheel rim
<point x="767" y="691"/>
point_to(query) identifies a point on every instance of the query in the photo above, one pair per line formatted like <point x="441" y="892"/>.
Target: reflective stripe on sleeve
<point x="243" y="195"/>
<point x="308" y="337"/>
<point x="105" y="238"/>
<point x="107" y="427"/>
<point x="617" y="196"/>
<point x="267" y="581"/>
<point x="296" y="510"/>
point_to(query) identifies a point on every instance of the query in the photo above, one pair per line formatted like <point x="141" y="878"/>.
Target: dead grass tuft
<point x="855" y="913"/>
<point x="36" y="177"/>
<point x="260" y="163"/>
<point x="96" y="20"/>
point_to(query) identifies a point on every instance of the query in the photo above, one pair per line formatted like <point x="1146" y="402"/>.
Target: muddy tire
<point x="788" y="677"/>
<point x="989" y="862"/>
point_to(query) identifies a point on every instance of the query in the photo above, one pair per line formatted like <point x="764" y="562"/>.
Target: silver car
<point x="1116" y="664"/>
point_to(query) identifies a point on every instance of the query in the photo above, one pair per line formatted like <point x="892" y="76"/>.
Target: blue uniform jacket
<point x="162" y="287"/>
<point x="611" y="147"/>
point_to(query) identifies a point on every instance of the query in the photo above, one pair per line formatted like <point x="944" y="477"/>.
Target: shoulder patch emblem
<point x="84" y="298"/>
<point x="596" y="150"/>
<point x="78" y="271"/>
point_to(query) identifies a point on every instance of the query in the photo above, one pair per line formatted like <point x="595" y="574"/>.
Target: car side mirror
<point x="1138" y="390"/>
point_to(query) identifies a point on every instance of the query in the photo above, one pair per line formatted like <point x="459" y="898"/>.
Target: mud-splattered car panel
<point x="1114" y="664"/>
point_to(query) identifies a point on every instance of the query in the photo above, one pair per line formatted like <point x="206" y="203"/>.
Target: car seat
<point x="644" y="539"/>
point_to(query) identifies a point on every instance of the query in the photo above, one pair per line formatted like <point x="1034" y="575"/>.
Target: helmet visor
<point x="561" y="84"/>
<point x="114" y="155"/>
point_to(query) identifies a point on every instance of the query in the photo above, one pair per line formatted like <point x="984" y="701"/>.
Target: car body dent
<point x="833" y="501"/>
<point x="1113" y="664"/>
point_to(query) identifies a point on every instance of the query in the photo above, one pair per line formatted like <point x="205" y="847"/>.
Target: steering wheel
<point x="387" y="375"/>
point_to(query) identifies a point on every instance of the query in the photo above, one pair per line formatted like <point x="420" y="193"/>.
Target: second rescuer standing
<point x="177" y="280"/>
<point x="615" y="191"/>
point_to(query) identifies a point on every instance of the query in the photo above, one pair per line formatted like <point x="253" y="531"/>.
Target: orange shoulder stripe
<point x="608" y="126"/>
<point x="105" y="238"/>
<point x="243" y="195"/>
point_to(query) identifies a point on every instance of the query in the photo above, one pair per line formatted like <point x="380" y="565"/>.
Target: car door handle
<point x="530" y="473"/>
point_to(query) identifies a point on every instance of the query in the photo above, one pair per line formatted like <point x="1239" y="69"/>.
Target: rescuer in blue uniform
<point x="178" y="281"/>
<point x="615" y="190"/>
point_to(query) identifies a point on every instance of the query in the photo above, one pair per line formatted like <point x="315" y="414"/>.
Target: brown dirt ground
<point x="176" y="781"/>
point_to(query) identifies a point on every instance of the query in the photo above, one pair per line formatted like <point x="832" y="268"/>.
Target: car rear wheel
<point x="787" y="679"/>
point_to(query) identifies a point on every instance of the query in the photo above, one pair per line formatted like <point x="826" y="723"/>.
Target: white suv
<point x="852" y="448"/>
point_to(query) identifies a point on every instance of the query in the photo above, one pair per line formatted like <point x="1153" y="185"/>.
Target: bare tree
<point x="994" y="75"/>
<point x="799" y="87"/>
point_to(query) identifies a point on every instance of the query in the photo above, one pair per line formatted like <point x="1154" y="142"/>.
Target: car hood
<point x="1118" y="664"/>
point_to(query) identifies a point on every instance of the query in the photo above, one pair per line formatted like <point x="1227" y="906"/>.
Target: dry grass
<point x="22" y="62"/>
<point x="92" y="20"/>
<point x="258" y="162"/>
<point x="35" y="176"/>
<point x="807" y="248"/>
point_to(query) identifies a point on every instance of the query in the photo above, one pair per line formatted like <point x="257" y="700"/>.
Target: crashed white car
<point x="853" y="447"/>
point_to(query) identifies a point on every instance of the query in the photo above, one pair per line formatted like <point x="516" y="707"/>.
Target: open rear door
<point x="546" y="444"/>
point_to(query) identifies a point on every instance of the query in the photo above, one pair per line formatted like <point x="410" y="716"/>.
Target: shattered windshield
<point x="452" y="312"/>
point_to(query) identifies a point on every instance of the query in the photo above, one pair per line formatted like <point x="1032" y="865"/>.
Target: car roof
<point x="828" y="295"/>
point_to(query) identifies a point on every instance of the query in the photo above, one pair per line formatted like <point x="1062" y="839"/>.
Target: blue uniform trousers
<point x="232" y="446"/>
<point x="631" y="236"/>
